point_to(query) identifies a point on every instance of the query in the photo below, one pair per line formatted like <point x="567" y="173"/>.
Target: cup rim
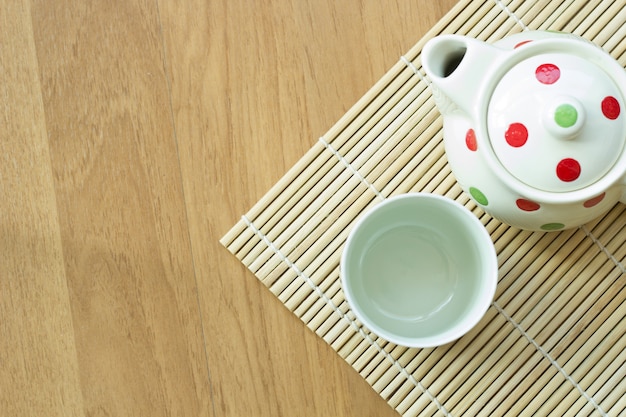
<point x="479" y="234"/>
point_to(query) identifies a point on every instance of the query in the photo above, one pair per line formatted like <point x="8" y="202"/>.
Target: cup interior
<point x="419" y="270"/>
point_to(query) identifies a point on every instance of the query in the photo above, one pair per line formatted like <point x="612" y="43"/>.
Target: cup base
<point x="408" y="274"/>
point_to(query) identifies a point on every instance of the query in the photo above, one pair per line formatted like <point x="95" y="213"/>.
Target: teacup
<point x="419" y="270"/>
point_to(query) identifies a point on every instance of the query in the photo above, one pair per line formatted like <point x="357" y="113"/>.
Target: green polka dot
<point x="565" y="115"/>
<point x="478" y="196"/>
<point x="552" y="226"/>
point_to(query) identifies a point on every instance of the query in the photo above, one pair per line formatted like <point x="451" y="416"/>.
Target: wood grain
<point x="40" y="373"/>
<point x="134" y="135"/>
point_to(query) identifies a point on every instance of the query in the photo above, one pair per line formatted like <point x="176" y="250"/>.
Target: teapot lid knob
<point x="564" y="117"/>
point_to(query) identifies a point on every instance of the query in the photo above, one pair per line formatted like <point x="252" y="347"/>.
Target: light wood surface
<point x="134" y="135"/>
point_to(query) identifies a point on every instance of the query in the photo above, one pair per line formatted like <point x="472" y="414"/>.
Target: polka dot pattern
<point x="521" y="43"/>
<point x="547" y="73"/>
<point x="610" y="108"/>
<point x="470" y="140"/>
<point x="568" y="170"/>
<point x="552" y="226"/>
<point x="516" y="135"/>
<point x="538" y="119"/>
<point x="527" y="205"/>
<point x="594" y="201"/>
<point x="565" y="115"/>
<point x="541" y="110"/>
<point x="478" y="196"/>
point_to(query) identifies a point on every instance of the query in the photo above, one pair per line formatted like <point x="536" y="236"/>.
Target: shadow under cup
<point x="419" y="270"/>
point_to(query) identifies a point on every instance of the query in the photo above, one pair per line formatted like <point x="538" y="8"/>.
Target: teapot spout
<point x="458" y="68"/>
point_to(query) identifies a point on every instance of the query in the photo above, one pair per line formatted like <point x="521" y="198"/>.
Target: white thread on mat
<point x="511" y="14"/>
<point x="604" y="249"/>
<point x="351" y="168"/>
<point x="550" y="358"/>
<point x="344" y="316"/>
<point x="412" y="66"/>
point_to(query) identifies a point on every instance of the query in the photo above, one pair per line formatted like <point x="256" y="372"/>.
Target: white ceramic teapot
<point x="534" y="125"/>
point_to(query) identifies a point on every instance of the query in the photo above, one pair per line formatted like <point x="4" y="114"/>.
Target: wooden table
<point x="134" y="135"/>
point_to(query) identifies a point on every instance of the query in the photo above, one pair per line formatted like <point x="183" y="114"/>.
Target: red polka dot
<point x="594" y="201"/>
<point x="527" y="205"/>
<point x="470" y="140"/>
<point x="568" y="170"/>
<point x="516" y="135"/>
<point x="521" y="43"/>
<point x="610" y="107"/>
<point x="547" y="73"/>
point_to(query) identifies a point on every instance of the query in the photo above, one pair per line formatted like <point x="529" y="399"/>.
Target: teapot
<point x="533" y="124"/>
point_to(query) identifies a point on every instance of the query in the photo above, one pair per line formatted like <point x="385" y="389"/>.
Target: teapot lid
<point x="555" y="122"/>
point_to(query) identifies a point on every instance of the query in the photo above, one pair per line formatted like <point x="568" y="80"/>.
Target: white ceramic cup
<point x="419" y="270"/>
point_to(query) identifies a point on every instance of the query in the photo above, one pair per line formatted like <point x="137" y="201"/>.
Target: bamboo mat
<point x="553" y="341"/>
